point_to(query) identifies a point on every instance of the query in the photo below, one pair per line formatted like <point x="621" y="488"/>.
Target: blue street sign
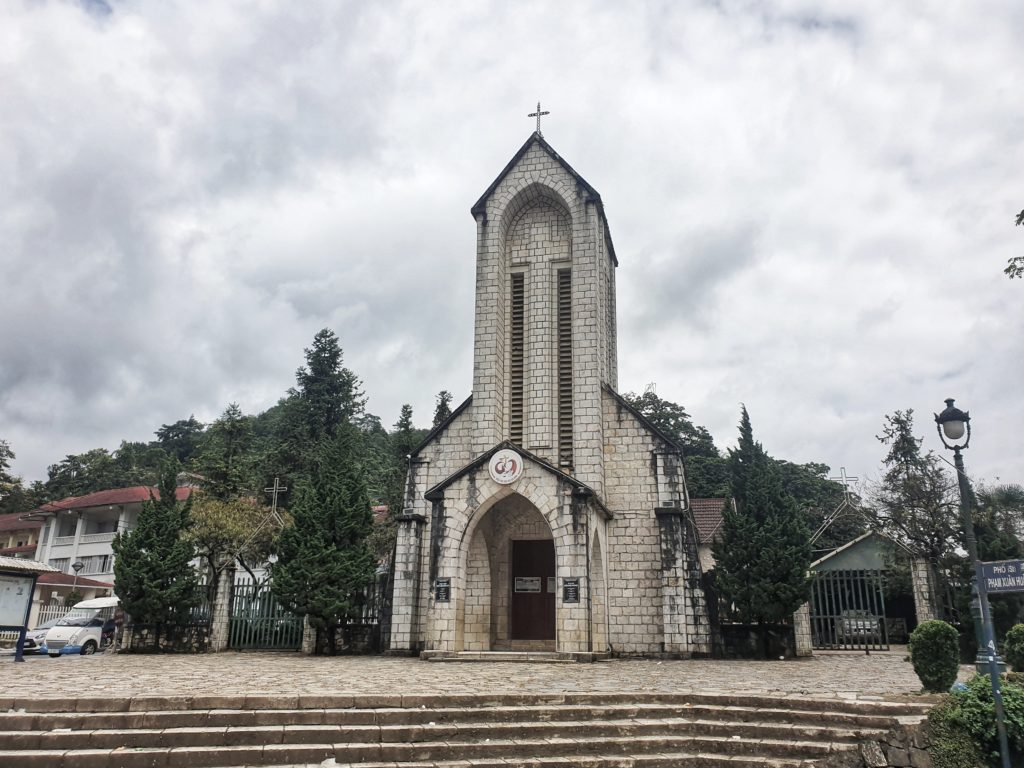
<point x="1003" y="576"/>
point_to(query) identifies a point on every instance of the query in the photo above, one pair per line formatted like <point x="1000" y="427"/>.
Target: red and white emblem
<point x="506" y="466"/>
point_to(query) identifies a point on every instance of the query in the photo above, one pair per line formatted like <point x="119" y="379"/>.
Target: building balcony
<point x="61" y="541"/>
<point x="95" y="538"/>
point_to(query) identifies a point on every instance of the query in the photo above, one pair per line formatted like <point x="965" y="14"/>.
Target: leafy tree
<point x="1015" y="266"/>
<point x="324" y="563"/>
<point x="235" y="529"/>
<point x="138" y="463"/>
<point x="83" y="473"/>
<point x="762" y="557"/>
<point x="996" y="522"/>
<point x="14" y="497"/>
<point x="443" y="407"/>
<point x="180" y="439"/>
<point x="917" y="502"/>
<point x="817" y="497"/>
<point x="153" y="574"/>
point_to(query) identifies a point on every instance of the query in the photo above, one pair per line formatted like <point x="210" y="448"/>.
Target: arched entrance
<point x="510" y="581"/>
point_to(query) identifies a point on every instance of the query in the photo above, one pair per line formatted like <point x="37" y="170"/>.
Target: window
<point x="564" y="320"/>
<point x="61" y="563"/>
<point x="516" y="332"/>
<point x="95" y="564"/>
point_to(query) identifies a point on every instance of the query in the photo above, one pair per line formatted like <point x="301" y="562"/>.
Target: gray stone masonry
<point x="540" y="217"/>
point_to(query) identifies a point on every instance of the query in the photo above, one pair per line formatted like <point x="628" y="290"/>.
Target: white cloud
<point x="811" y="204"/>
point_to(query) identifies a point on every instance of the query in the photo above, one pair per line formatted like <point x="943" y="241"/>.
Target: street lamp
<point x="76" y="567"/>
<point x="954" y="424"/>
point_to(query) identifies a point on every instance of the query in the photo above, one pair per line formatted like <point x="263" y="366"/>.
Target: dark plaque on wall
<point x="443" y="590"/>
<point x="570" y="590"/>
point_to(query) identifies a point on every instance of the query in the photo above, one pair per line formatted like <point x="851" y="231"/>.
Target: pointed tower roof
<point x="592" y="195"/>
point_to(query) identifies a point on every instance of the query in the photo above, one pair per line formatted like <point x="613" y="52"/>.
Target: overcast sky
<point x="811" y="203"/>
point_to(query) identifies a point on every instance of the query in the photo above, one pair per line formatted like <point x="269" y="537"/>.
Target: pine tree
<point x="330" y="394"/>
<point x="153" y="574"/>
<point x="324" y="562"/>
<point x="443" y="408"/>
<point x="763" y="555"/>
<point x="224" y="459"/>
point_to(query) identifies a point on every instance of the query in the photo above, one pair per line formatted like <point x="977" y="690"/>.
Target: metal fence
<point x="258" y="622"/>
<point x="848" y="611"/>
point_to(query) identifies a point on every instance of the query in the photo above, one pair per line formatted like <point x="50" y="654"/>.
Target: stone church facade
<point x="546" y="514"/>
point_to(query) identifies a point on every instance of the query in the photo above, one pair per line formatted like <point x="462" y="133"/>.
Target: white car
<point x="35" y="639"/>
<point x="87" y="628"/>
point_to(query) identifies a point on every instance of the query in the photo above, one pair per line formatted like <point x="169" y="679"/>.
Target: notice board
<point x="15" y="596"/>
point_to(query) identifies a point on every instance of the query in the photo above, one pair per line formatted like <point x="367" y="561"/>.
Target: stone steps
<point x="572" y="729"/>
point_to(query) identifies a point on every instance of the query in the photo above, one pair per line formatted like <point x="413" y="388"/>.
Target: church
<point x="546" y="514"/>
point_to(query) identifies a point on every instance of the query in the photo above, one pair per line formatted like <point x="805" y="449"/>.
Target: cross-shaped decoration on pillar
<point x="845" y="481"/>
<point x="538" y="114"/>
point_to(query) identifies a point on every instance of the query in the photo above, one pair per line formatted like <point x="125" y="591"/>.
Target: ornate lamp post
<point x="953" y="424"/>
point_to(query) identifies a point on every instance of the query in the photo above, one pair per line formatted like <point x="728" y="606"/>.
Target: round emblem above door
<point x="506" y="466"/>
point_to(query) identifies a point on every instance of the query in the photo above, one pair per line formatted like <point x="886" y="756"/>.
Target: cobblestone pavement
<point x="827" y="675"/>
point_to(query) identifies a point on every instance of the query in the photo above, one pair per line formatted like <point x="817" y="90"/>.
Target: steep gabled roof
<point x="707" y="515"/>
<point x="592" y="194"/>
<point x="624" y="403"/>
<point x="441" y="427"/>
<point x="581" y="488"/>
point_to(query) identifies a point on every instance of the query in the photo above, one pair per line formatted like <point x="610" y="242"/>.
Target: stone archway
<point x="491" y="616"/>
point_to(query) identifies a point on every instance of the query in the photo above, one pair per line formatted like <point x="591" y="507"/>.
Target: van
<point x="87" y="628"/>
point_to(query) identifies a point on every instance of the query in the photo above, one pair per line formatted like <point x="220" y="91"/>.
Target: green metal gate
<point x="258" y="622"/>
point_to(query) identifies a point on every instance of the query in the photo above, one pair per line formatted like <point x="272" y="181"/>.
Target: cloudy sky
<point x="811" y="202"/>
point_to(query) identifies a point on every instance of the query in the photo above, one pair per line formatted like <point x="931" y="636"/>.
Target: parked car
<point x="87" y="628"/>
<point x="858" y="626"/>
<point x="35" y="639"/>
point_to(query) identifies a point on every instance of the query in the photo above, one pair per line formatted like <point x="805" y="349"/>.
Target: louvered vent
<point x="515" y="399"/>
<point x="565" y="367"/>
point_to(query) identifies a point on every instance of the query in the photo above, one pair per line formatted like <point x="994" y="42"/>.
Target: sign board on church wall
<point x="570" y="590"/>
<point x="527" y="583"/>
<point x="1003" y="576"/>
<point x="443" y="590"/>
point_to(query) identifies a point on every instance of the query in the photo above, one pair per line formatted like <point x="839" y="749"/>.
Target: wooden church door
<point x="532" y="610"/>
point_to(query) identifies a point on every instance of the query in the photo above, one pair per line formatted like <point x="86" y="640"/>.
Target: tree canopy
<point x="1015" y="266"/>
<point x="763" y="554"/>
<point x="153" y="574"/>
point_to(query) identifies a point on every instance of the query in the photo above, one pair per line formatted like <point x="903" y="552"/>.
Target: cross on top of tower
<point x="538" y="114"/>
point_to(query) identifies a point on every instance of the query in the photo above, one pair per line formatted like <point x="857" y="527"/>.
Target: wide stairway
<point x="571" y="730"/>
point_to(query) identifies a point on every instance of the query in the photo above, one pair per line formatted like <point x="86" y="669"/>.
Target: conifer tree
<point x="762" y="557"/>
<point x="324" y="562"/>
<point x="153" y="574"/>
<point x="443" y="407"/>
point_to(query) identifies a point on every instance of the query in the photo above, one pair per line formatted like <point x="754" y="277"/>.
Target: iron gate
<point x="258" y="622"/>
<point x="848" y="611"/>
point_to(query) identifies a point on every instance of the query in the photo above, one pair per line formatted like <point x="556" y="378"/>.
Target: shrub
<point x="935" y="654"/>
<point x="951" y="745"/>
<point x="973" y="712"/>
<point x="1013" y="648"/>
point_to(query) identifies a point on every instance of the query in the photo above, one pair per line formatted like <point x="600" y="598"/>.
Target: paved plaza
<point x="884" y="675"/>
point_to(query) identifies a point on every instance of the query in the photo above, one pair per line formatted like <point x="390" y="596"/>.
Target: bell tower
<point x="545" y="312"/>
